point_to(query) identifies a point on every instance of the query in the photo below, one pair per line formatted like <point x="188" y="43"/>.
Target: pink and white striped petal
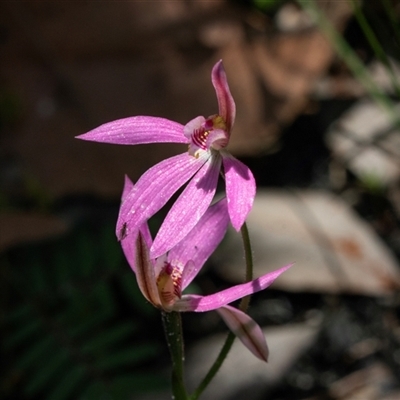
<point x="240" y="189"/>
<point x="212" y="302"/>
<point x="137" y="130"/>
<point x="201" y="241"/>
<point x="188" y="208"/>
<point x="154" y="188"/>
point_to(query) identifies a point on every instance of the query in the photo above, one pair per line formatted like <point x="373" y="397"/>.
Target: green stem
<point x="244" y="303"/>
<point x="173" y="333"/>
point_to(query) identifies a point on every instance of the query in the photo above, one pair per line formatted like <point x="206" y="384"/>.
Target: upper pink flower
<point x="162" y="280"/>
<point x="207" y="139"/>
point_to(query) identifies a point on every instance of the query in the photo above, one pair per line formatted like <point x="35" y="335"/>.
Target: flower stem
<point x="244" y="303"/>
<point x="248" y="254"/>
<point x="173" y="332"/>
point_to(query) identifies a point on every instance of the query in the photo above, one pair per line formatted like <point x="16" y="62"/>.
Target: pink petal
<point x="201" y="241"/>
<point x="128" y="186"/>
<point x="240" y="189"/>
<point x="154" y="188"/>
<point x="188" y="208"/>
<point x="137" y="130"/>
<point x="246" y="329"/>
<point x="212" y="302"/>
<point x="145" y="273"/>
<point x="129" y="249"/>
<point x="227" y="107"/>
<point x="128" y="242"/>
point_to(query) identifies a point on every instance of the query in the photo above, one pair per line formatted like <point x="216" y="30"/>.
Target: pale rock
<point x="333" y="249"/>
<point x="242" y="371"/>
<point x="364" y="140"/>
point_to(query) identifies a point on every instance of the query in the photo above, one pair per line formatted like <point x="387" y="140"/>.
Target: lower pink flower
<point x="162" y="280"/>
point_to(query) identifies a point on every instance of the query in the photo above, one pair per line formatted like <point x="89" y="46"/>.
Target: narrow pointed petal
<point x="128" y="243"/>
<point x="129" y="249"/>
<point x="246" y="329"/>
<point x="212" y="302"/>
<point x="128" y="186"/>
<point x="154" y="188"/>
<point x="145" y="273"/>
<point x="137" y="130"/>
<point x="189" y="270"/>
<point x="188" y="208"/>
<point x="240" y="189"/>
<point x="227" y="107"/>
<point x="201" y="241"/>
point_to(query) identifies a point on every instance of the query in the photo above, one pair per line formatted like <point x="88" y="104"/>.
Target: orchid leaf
<point x="68" y="384"/>
<point x="129" y="356"/>
<point x="45" y="372"/>
<point x="23" y="333"/>
<point x="110" y="337"/>
<point x="61" y="332"/>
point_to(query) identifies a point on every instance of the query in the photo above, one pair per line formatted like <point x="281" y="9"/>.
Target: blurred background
<point x="317" y="88"/>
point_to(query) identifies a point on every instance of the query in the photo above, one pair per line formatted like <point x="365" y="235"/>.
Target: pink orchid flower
<point x="207" y="139"/>
<point x="163" y="280"/>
